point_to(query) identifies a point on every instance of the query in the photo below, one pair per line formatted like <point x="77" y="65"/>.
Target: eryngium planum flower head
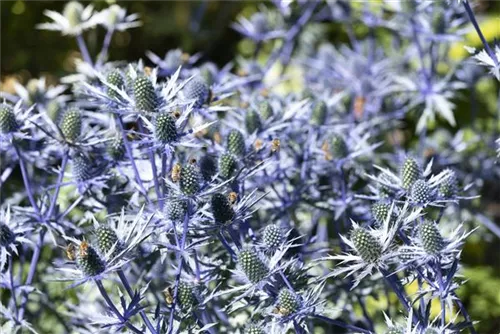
<point x="71" y="124"/>
<point x="319" y="112"/>
<point x="288" y="302"/>
<point x="8" y="121"/>
<point x="82" y="168"/>
<point x="106" y="239"/>
<point x="144" y="94"/>
<point x="236" y="143"/>
<point x="115" y="78"/>
<point x="410" y="172"/>
<point x="265" y="110"/>
<point x="116" y="148"/>
<point x="189" y="179"/>
<point x="380" y="211"/>
<point x="253" y="328"/>
<point x="165" y="128"/>
<point x="252" y="265"/>
<point x="7" y="236"/>
<point x="176" y="209"/>
<point x="448" y="188"/>
<point x="421" y="192"/>
<point x="252" y="121"/>
<point x="227" y="165"/>
<point x="272" y="236"/>
<point x="339" y="147"/>
<point x="197" y="89"/>
<point x="431" y="238"/>
<point x="221" y="208"/>
<point x="88" y="260"/>
<point x="367" y="246"/>
<point x="185" y="295"/>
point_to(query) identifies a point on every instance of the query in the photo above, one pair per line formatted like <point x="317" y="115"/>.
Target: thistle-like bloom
<point x="370" y="249"/>
<point x="15" y="121"/>
<point x="73" y="21"/>
<point x="113" y="247"/>
<point x="11" y="235"/>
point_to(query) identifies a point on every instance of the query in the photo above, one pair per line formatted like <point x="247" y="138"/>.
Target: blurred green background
<point x="196" y="26"/>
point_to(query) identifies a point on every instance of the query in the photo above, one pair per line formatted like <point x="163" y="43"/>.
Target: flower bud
<point x="431" y="238"/>
<point x="106" y="239"/>
<point x="185" y="295"/>
<point x="380" y="211"/>
<point x="73" y="13"/>
<point x="82" y="168"/>
<point x="71" y="124"/>
<point x="288" y="302"/>
<point x="319" y="112"/>
<point x="448" y="188"/>
<point x="8" y="121"/>
<point x="116" y="79"/>
<point x="265" y="110"/>
<point x="89" y="262"/>
<point x="339" y="147"/>
<point x="116" y="148"/>
<point x="236" y="143"/>
<point x="165" y="128"/>
<point x="273" y="236"/>
<point x="144" y="94"/>
<point x="410" y="172"/>
<point x="252" y="265"/>
<point x="227" y="165"/>
<point x="421" y="192"/>
<point x="367" y="246"/>
<point x="252" y="121"/>
<point x="254" y="328"/>
<point x="176" y="210"/>
<point x="189" y="179"/>
<point x="197" y="89"/>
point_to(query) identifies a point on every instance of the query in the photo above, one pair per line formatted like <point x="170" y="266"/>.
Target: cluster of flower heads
<point x="191" y="198"/>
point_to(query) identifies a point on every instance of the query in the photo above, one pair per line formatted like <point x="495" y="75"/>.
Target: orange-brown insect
<point x="232" y="197"/>
<point x="176" y="172"/>
<point x="326" y="150"/>
<point x="275" y="145"/>
<point x="177" y="114"/>
<point x="185" y="57"/>
<point x="169" y="295"/>
<point x="258" y="144"/>
<point x="217" y="138"/>
<point x="244" y="104"/>
<point x="359" y="107"/>
<point x="84" y="246"/>
<point x="147" y="70"/>
<point x="192" y="161"/>
<point x="71" y="252"/>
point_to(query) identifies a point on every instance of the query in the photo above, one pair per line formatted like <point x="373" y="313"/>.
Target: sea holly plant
<point x="176" y="195"/>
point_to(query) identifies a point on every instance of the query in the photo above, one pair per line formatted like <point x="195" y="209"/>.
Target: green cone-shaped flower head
<point x="421" y="192"/>
<point x="236" y="143"/>
<point x="319" y="113"/>
<point x="115" y="78"/>
<point x="227" y="165"/>
<point x="185" y="295"/>
<point x="71" y="124"/>
<point x="106" y="239"/>
<point x="252" y="121"/>
<point x="431" y="238"/>
<point x="339" y="147"/>
<point x="116" y="148"/>
<point x="410" y="172"/>
<point x="8" y="122"/>
<point x="189" y="179"/>
<point x="288" y="302"/>
<point x="176" y="210"/>
<point x="265" y="110"/>
<point x="165" y="128"/>
<point x="81" y="168"/>
<point x="252" y="265"/>
<point x="144" y="94"/>
<point x="368" y="246"/>
<point x="449" y="187"/>
<point x="88" y="260"/>
<point x="273" y="236"/>
<point x="197" y="89"/>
